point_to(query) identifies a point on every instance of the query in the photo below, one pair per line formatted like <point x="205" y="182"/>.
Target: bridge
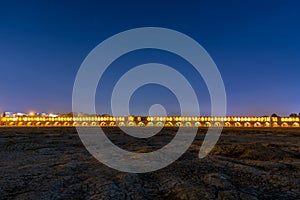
<point x="139" y="121"/>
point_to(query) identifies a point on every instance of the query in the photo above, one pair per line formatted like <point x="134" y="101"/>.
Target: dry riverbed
<point x="52" y="163"/>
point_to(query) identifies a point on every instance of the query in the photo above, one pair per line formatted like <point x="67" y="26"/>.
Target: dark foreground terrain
<point x="52" y="163"/>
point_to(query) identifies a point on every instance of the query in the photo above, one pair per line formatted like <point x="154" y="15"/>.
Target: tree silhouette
<point x="293" y="115"/>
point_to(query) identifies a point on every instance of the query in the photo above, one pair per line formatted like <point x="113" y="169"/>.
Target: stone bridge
<point x="170" y="121"/>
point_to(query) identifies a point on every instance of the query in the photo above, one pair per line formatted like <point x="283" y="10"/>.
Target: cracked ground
<point x="52" y="163"/>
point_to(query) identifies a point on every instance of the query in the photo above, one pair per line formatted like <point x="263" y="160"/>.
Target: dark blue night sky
<point x="255" y="44"/>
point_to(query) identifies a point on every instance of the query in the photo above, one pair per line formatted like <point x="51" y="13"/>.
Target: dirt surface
<point x="52" y="163"/>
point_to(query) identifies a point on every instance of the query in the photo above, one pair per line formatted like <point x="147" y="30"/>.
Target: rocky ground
<point x="52" y="163"/>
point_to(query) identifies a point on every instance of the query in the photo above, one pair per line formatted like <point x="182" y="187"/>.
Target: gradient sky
<point x="255" y="44"/>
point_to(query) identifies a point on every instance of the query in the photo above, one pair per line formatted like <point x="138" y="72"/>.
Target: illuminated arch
<point x="112" y="123"/>
<point x="207" y="124"/>
<point x="94" y="124"/>
<point x="247" y="124"/>
<point x="84" y="124"/>
<point x="131" y="124"/>
<point x="227" y="124"/>
<point x="237" y="124"/>
<point x="150" y="124"/>
<point x="159" y="124"/>
<point x="141" y="124"/>
<point x="102" y="124"/>
<point x="197" y="124"/>
<point x="38" y="123"/>
<point x="121" y="124"/>
<point x="188" y="124"/>
<point x="217" y="124"/>
<point x="75" y="124"/>
<point x="11" y="123"/>
<point x="66" y="124"/>
<point x="20" y="124"/>
<point x="29" y="124"/>
<point x="169" y="124"/>
<point x="267" y="124"/>
<point x="285" y="124"/>
<point x="275" y="124"/>
<point x="47" y="124"/>
<point x="296" y="124"/>
<point x="178" y="124"/>
<point x="56" y="124"/>
<point x="257" y="124"/>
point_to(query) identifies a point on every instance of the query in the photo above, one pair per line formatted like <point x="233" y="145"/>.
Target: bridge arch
<point x="227" y="124"/>
<point x="29" y="124"/>
<point x="20" y="124"/>
<point x="197" y="124"/>
<point x="94" y="124"/>
<point x="84" y="124"/>
<point x="267" y="124"/>
<point x="247" y="124"/>
<point x="103" y="124"/>
<point x="207" y="124"/>
<point x="188" y="124"/>
<point x="112" y="123"/>
<point x="38" y="124"/>
<point x="56" y="124"/>
<point x="11" y="123"/>
<point x="296" y="124"/>
<point x="131" y="124"/>
<point x="275" y="124"/>
<point x="257" y="124"/>
<point x="285" y="124"/>
<point x="169" y="124"/>
<point x="121" y="124"/>
<point x="237" y="124"/>
<point x="47" y="124"/>
<point x="217" y="124"/>
<point x="141" y="124"/>
<point x="178" y="124"/>
<point x="150" y="124"/>
<point x="159" y="124"/>
<point x="66" y="124"/>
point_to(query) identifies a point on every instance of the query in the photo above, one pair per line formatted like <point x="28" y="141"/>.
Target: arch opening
<point x="188" y="124"/>
<point x="121" y="124"/>
<point x="285" y="125"/>
<point x="131" y="123"/>
<point x="102" y="124"/>
<point x="56" y="124"/>
<point x="178" y="124"/>
<point x="112" y="123"/>
<point x="197" y="124"/>
<point x="217" y="124"/>
<point x="257" y="124"/>
<point x="247" y="124"/>
<point x="237" y="124"/>
<point x="94" y="124"/>
<point x="227" y="124"/>
<point x="159" y="124"/>
<point x="207" y="124"/>
<point x="150" y="124"/>
<point x="141" y="124"/>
